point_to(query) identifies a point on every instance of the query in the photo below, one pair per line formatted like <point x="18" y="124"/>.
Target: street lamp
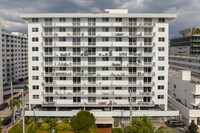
<point x="130" y="92"/>
<point x="23" y="113"/>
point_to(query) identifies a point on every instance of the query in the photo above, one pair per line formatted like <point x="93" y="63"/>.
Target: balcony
<point x="76" y="63"/>
<point x="136" y="34"/>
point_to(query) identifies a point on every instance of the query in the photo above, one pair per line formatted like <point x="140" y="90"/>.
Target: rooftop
<point x="107" y="13"/>
<point x="174" y="73"/>
<point x="185" y="57"/>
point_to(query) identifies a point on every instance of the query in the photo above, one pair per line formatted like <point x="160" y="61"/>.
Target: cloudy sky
<point x="188" y="11"/>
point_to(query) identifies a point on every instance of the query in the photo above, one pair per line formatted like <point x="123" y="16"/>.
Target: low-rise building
<point x="185" y="63"/>
<point x="184" y="94"/>
<point x="187" y="44"/>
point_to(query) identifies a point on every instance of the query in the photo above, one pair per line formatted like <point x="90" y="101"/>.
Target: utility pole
<point x="23" y="113"/>
<point x="11" y="99"/>
<point x="130" y="91"/>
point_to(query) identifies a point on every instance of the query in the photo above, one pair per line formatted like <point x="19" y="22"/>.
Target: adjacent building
<point x="184" y="94"/>
<point x="14" y="57"/>
<point x="96" y="61"/>
<point x="189" y="63"/>
<point x="188" y="44"/>
<point x="1" y="78"/>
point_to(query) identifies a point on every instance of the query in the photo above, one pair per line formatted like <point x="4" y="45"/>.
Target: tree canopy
<point x="82" y="122"/>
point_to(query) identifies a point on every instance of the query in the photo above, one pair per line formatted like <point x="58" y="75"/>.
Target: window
<point x="105" y="49"/>
<point x="118" y="78"/>
<point x="91" y="99"/>
<point x="63" y="97"/>
<point x="118" y="88"/>
<point x="35" y="96"/>
<point x="161" y="20"/>
<point x="105" y="88"/>
<point x="62" y="48"/>
<point x="35" y="87"/>
<point x="118" y="68"/>
<point x="161" y="48"/>
<point x="34" y="29"/>
<point x="62" y="19"/>
<point x="105" y="69"/>
<point x="63" y="88"/>
<point x="160" y="96"/>
<point x="161" y="29"/>
<point x="160" y="87"/>
<point x="175" y="86"/>
<point x="62" y="58"/>
<point x="118" y="19"/>
<point x="161" y="77"/>
<point x="34" y="48"/>
<point x="62" y="39"/>
<point x="104" y="97"/>
<point x="161" y="68"/>
<point x="161" y="39"/>
<point x="35" y="68"/>
<point x="118" y="29"/>
<point x="105" y="78"/>
<point x="105" y="29"/>
<point x="161" y="58"/>
<point x="62" y="29"/>
<point x="118" y="98"/>
<point x="35" y="77"/>
<point x="105" y="58"/>
<point x="105" y="39"/>
<point x="118" y="39"/>
<point x="34" y="20"/>
<point x="76" y="99"/>
<point x="118" y="49"/>
<point x="118" y="58"/>
<point x="105" y="19"/>
<point x="63" y="78"/>
<point x="34" y="39"/>
<point x="35" y="58"/>
<point x="62" y="68"/>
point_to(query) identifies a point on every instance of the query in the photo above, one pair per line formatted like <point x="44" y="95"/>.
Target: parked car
<point x="18" y="111"/>
<point x="3" y="106"/>
<point x="6" y="120"/>
<point x="175" y="123"/>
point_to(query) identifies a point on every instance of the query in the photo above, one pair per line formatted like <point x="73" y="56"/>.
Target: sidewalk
<point x="10" y="126"/>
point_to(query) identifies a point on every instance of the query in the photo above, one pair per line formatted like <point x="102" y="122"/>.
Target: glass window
<point x="118" y="19"/>
<point x="161" y="29"/>
<point x="105" y="69"/>
<point x="105" y="58"/>
<point x="105" y="39"/>
<point x="62" y="19"/>
<point x="34" y="48"/>
<point x="161" y="58"/>
<point x="105" y="78"/>
<point x="161" y="20"/>
<point x="34" y="29"/>
<point x="105" y="19"/>
<point x="161" y="48"/>
<point x="105" y="29"/>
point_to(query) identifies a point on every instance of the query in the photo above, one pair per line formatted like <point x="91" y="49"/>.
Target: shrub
<point x="116" y="123"/>
<point x="65" y="120"/>
<point x="46" y="120"/>
<point x="45" y="126"/>
<point x="68" y="126"/>
<point x="38" y="124"/>
<point x="61" y="126"/>
<point x="117" y="130"/>
<point x="54" y="122"/>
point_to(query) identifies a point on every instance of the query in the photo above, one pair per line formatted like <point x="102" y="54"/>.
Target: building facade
<point x="186" y="45"/>
<point x="184" y="92"/>
<point x="94" y="61"/>
<point x="1" y="78"/>
<point x="185" y="63"/>
<point x="14" y="57"/>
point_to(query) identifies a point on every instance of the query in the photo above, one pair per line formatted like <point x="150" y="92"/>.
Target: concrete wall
<point x="1" y="77"/>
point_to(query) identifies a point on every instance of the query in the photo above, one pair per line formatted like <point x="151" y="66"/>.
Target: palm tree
<point x="14" y="103"/>
<point x="25" y="87"/>
<point x="145" y="126"/>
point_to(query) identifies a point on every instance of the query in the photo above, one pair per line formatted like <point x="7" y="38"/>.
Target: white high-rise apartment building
<point x="14" y="57"/>
<point x="93" y="60"/>
<point x="1" y="78"/>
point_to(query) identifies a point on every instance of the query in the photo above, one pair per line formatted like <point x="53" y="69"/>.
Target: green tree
<point x="144" y="125"/>
<point x="53" y="122"/>
<point x="14" y="103"/>
<point x="46" y="120"/>
<point x="25" y="87"/>
<point x="193" y="128"/>
<point x="65" y="120"/>
<point x="82" y="122"/>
